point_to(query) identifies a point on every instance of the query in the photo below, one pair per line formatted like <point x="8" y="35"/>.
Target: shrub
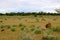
<point x="49" y="37"/>
<point x="26" y="37"/>
<point x="13" y="29"/>
<point x="7" y="26"/>
<point x="48" y="31"/>
<point x="56" y="29"/>
<point x="32" y="28"/>
<point x="26" y="30"/>
<point x="1" y="26"/>
<point x="23" y="27"/>
<point x="20" y="25"/>
<point x="37" y="30"/>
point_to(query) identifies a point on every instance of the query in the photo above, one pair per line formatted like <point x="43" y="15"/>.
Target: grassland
<point x="29" y="27"/>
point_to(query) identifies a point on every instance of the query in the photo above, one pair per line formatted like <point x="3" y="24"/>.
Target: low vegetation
<point x="35" y="25"/>
<point x="20" y="24"/>
<point x="5" y="26"/>
<point x="56" y="29"/>
<point x="22" y="27"/>
<point x="27" y="37"/>
<point x="49" y="37"/>
<point x="13" y="29"/>
<point x="32" y="28"/>
<point x="38" y="30"/>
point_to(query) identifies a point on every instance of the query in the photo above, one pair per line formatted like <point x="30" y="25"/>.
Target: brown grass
<point x="38" y="21"/>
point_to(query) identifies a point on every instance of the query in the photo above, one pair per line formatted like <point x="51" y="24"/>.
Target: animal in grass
<point x="48" y="25"/>
<point x="2" y="30"/>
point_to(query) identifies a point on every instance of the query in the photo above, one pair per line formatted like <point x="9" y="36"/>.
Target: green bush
<point x="37" y="30"/>
<point x="48" y="31"/>
<point x="56" y="29"/>
<point x="5" y="26"/>
<point x="13" y="29"/>
<point x="32" y="28"/>
<point x="49" y="37"/>
<point x="23" y="27"/>
<point x="2" y="26"/>
<point x="8" y="26"/>
<point x="20" y="25"/>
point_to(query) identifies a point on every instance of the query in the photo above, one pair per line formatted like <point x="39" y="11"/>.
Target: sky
<point x="28" y="5"/>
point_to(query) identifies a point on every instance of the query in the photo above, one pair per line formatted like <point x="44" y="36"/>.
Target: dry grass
<point x="27" y="21"/>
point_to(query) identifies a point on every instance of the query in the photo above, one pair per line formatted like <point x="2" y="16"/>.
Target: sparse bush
<point x="49" y="37"/>
<point x="37" y="30"/>
<point x="13" y="29"/>
<point x="27" y="37"/>
<point x="2" y="26"/>
<point x="20" y="25"/>
<point x="5" y="26"/>
<point x="56" y="29"/>
<point x="26" y="30"/>
<point x="48" y="31"/>
<point x="8" y="26"/>
<point x="32" y="28"/>
<point x="23" y="27"/>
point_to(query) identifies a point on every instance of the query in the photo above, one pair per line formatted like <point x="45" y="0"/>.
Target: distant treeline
<point x="29" y="13"/>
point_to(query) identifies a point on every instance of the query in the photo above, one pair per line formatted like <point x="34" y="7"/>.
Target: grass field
<point x="29" y="27"/>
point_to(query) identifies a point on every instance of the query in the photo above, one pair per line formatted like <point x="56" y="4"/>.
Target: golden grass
<point x="27" y="21"/>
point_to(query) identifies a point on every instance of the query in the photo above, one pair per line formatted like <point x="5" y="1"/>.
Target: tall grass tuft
<point x="49" y="37"/>
<point x="57" y="29"/>
<point x="32" y="28"/>
<point x="27" y="37"/>
<point x="13" y="29"/>
<point x="38" y="30"/>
